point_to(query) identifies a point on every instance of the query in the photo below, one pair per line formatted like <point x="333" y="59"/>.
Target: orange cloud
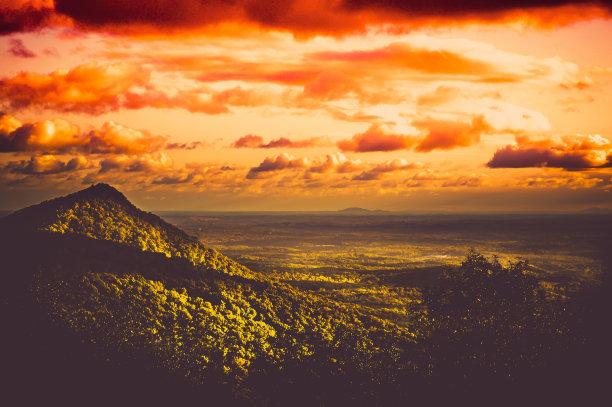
<point x="445" y="135"/>
<point x="61" y="136"/>
<point x="97" y="89"/>
<point x="406" y="56"/>
<point x="443" y="94"/>
<point x="332" y="74"/>
<point x="252" y="141"/>
<point x="248" y="141"/>
<point x="89" y="88"/>
<point x="435" y="134"/>
<point x="572" y="153"/>
<point x="376" y="139"/>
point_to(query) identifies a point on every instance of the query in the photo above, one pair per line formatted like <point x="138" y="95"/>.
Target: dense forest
<point x="99" y="297"/>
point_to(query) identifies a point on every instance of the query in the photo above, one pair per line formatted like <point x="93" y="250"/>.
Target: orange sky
<point x="302" y="105"/>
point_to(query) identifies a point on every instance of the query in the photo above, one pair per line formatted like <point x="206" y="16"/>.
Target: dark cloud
<point x="450" y="7"/>
<point x="281" y="162"/>
<point x="169" y="13"/>
<point x="19" y="49"/>
<point x="24" y="17"/>
<point x="299" y="16"/>
<point x="573" y="153"/>
<point x="147" y="163"/>
<point x="174" y="180"/>
<point x="46" y="165"/>
<point x="252" y="141"/>
<point x="183" y="146"/>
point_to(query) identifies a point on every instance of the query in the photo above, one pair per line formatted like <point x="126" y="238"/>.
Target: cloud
<point x="305" y="17"/>
<point x="61" y="136"/>
<point x="114" y="138"/>
<point x="407" y="56"/>
<point x="336" y="163"/>
<point x="46" y="165"/>
<point x="184" y="146"/>
<point x="434" y="134"/>
<point x="446" y="135"/>
<point x="248" y="141"/>
<point x="379" y="170"/>
<point x="26" y="15"/>
<point x="325" y="171"/>
<point x="281" y="162"/>
<point x="449" y="7"/>
<point x="571" y="153"/>
<point x="463" y="181"/>
<point x="332" y="85"/>
<point x="252" y="141"/>
<point x="96" y="89"/>
<point x="443" y="94"/>
<point x="19" y="49"/>
<point x="147" y="163"/>
<point x="377" y="139"/>
<point x="89" y="88"/>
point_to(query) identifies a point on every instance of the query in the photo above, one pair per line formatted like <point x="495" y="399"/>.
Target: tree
<point x="484" y="316"/>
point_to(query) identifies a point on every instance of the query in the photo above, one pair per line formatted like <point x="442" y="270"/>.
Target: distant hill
<point x="360" y="211"/>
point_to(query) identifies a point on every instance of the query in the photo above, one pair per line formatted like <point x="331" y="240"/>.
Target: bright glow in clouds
<point x="313" y="105"/>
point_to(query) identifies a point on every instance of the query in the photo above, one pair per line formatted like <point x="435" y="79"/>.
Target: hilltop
<point x="103" y="213"/>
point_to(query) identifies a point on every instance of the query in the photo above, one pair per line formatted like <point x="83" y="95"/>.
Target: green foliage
<point x="137" y="289"/>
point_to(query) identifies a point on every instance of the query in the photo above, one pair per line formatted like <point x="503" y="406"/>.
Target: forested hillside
<point x="94" y="287"/>
<point x="101" y="212"/>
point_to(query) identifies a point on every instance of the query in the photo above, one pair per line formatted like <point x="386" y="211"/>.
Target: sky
<point x="497" y="106"/>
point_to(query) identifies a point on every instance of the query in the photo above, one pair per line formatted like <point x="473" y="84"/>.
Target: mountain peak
<point x="102" y="191"/>
<point x="101" y="212"/>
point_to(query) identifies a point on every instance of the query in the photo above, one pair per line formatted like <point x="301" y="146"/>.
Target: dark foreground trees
<point x="496" y="330"/>
<point x="488" y="321"/>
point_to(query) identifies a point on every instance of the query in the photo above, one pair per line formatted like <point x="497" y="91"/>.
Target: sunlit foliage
<point x="135" y="289"/>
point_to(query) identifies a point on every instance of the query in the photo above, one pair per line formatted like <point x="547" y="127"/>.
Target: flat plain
<point x="382" y="261"/>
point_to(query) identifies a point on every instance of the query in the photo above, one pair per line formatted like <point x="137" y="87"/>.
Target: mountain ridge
<point x="104" y="213"/>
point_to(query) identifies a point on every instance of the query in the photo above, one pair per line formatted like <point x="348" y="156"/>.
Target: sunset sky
<point x="440" y="105"/>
